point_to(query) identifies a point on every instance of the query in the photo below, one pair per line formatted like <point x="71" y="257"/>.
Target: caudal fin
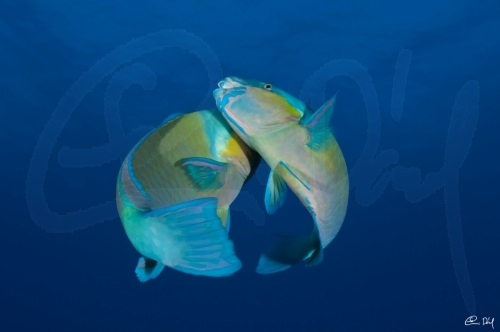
<point x="200" y="242"/>
<point x="291" y="250"/>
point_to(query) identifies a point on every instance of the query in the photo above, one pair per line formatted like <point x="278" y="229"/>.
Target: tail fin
<point x="291" y="250"/>
<point x="201" y="245"/>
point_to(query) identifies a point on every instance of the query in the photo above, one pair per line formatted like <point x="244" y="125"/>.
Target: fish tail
<point x="201" y="245"/>
<point x="290" y="250"/>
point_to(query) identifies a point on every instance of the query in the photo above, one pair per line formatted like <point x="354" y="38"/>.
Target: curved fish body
<point x="302" y="153"/>
<point x="174" y="190"/>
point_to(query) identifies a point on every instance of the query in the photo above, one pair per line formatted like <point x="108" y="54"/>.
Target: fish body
<point x="303" y="155"/>
<point x="174" y="190"/>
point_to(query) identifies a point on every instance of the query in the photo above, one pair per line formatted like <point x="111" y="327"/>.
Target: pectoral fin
<point x="205" y="173"/>
<point x="276" y="188"/>
<point x="275" y="191"/>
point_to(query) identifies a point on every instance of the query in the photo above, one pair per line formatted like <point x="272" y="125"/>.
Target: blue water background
<point x="418" y="86"/>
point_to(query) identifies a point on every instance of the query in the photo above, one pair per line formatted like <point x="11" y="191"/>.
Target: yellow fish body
<point x="174" y="190"/>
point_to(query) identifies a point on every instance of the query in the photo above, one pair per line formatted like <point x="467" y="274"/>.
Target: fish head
<point x="255" y="108"/>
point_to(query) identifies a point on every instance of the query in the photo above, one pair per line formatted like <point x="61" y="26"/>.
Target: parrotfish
<point x="174" y="190"/>
<point x="299" y="147"/>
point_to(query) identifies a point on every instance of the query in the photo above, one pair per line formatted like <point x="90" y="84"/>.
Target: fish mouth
<point x="219" y="93"/>
<point x="227" y="83"/>
<point x="231" y="88"/>
<point x="230" y="83"/>
<point x="225" y="86"/>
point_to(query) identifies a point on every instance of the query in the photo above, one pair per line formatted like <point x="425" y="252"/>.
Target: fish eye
<point x="268" y="86"/>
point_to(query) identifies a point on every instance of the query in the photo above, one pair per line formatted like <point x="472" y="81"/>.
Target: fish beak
<point x="225" y="85"/>
<point x="229" y="83"/>
<point x="218" y="93"/>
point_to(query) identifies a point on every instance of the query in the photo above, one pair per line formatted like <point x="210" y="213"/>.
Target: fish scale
<point x="155" y="161"/>
<point x="173" y="195"/>
<point x="303" y="155"/>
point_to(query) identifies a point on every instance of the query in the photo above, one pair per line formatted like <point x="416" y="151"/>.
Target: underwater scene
<point x="250" y="166"/>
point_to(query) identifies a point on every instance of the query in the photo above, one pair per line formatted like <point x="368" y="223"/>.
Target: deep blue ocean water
<point x="416" y="116"/>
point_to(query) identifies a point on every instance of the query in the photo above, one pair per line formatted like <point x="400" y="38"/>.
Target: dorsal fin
<point x="170" y="118"/>
<point x="318" y="124"/>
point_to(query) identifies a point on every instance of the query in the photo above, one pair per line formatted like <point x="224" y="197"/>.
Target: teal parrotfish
<point x="299" y="147"/>
<point x="174" y="190"/>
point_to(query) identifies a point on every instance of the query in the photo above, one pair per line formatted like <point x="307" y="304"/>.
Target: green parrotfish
<point x="174" y="190"/>
<point x="299" y="147"/>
